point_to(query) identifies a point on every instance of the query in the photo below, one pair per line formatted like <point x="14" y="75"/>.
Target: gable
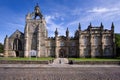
<point x="17" y="33"/>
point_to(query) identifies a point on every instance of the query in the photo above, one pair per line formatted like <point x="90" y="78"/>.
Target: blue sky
<point x="59" y="14"/>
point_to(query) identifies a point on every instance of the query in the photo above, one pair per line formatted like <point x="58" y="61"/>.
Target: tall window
<point x="17" y="44"/>
<point x="96" y="40"/>
<point x="85" y="52"/>
<point x="85" y="40"/>
<point x="97" y="52"/>
<point x="107" y="40"/>
<point x="107" y="51"/>
<point x="62" y="44"/>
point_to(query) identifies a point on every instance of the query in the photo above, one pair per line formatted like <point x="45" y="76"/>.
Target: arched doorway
<point x="62" y="53"/>
<point x="17" y="53"/>
<point x="17" y="46"/>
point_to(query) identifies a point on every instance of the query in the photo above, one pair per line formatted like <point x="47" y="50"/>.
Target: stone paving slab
<point x="60" y="73"/>
<point x="54" y="65"/>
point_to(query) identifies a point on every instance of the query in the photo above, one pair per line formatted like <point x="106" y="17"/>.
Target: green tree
<point x="117" y="42"/>
<point x="1" y="48"/>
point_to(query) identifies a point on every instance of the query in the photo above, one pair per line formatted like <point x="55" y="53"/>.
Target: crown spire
<point x="37" y="11"/>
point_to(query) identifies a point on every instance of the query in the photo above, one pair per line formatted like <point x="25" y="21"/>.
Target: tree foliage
<point x="117" y="40"/>
<point x="1" y="48"/>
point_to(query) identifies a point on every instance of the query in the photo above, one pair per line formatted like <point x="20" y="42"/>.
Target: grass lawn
<point x="95" y="59"/>
<point x="26" y="59"/>
<point x="50" y="58"/>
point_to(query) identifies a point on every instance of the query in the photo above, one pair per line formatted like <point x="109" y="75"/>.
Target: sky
<point x="59" y="14"/>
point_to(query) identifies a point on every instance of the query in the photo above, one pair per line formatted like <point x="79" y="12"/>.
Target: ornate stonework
<point x="92" y="42"/>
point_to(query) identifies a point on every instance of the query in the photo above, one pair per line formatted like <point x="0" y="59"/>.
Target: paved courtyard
<point x="60" y="73"/>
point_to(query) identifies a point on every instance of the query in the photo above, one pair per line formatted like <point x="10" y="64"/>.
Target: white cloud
<point x="49" y="19"/>
<point x="96" y="16"/>
<point x="103" y="10"/>
<point x="52" y="25"/>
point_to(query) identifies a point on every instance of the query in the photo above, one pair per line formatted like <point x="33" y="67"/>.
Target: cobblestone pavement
<point x="60" y="73"/>
<point x="53" y="65"/>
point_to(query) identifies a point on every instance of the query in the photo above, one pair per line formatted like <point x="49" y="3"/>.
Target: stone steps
<point x="60" y="61"/>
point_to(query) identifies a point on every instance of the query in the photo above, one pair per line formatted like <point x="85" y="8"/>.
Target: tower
<point x="102" y="39"/>
<point x="6" y="46"/>
<point x="35" y="34"/>
<point x="56" y="43"/>
<point x="67" y="33"/>
<point x="79" y="27"/>
<point x="26" y="44"/>
<point x="56" y="33"/>
<point x="37" y="12"/>
<point x="90" y="39"/>
<point x="113" y="40"/>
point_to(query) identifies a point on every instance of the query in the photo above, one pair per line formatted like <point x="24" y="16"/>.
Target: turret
<point x="38" y="41"/>
<point x="26" y="38"/>
<point x="90" y="39"/>
<point x="67" y="33"/>
<point x="67" y="41"/>
<point x="112" y="27"/>
<point x="113" y="39"/>
<point x="101" y="25"/>
<point x="56" y="33"/>
<point x="56" y="43"/>
<point x="102" y="40"/>
<point x="26" y="30"/>
<point x="79" y="27"/>
<point x="79" y="36"/>
<point x="37" y="12"/>
<point x="28" y="16"/>
<point x="90" y="25"/>
<point x="6" y="46"/>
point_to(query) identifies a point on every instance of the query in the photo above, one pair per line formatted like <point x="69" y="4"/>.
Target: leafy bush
<point x="1" y="48"/>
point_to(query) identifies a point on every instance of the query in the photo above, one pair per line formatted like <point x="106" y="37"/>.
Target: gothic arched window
<point x="17" y="44"/>
<point x="96" y="40"/>
<point x="107" y="51"/>
<point x="85" y="40"/>
<point x="107" y="40"/>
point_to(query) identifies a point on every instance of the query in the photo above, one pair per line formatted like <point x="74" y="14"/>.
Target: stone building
<point x="34" y="42"/>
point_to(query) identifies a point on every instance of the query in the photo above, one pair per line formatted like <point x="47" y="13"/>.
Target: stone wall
<point x="96" y="62"/>
<point x="22" y="62"/>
